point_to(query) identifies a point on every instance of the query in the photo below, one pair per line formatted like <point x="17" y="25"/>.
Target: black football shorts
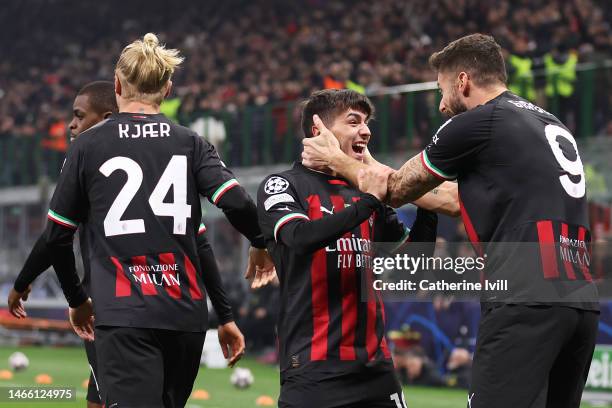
<point x="151" y="368"/>
<point x="532" y="357"/>
<point x="356" y="390"/>
<point x="93" y="391"/>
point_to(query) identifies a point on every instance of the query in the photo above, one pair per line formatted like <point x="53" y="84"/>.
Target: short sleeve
<point x="457" y="143"/>
<point x="213" y="178"/>
<point x="277" y="205"/>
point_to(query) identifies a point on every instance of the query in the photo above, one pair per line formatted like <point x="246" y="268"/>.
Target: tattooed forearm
<point x="443" y="199"/>
<point x="410" y="182"/>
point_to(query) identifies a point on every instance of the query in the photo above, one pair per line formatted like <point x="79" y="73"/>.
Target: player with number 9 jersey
<point x="522" y="191"/>
<point x="523" y="203"/>
<point x="537" y="196"/>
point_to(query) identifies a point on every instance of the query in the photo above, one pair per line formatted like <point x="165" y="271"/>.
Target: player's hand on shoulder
<point x="373" y="180"/>
<point x="82" y="320"/>
<point x="15" y="304"/>
<point x="260" y="268"/>
<point x="231" y="341"/>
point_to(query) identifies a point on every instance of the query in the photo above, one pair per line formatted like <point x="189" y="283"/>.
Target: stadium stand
<point x="248" y="59"/>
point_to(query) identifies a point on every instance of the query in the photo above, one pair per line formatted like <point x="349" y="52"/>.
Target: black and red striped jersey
<point x="521" y="180"/>
<point x="133" y="183"/>
<point x="320" y="231"/>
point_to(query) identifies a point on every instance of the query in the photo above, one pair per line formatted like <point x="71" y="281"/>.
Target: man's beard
<point x="455" y="106"/>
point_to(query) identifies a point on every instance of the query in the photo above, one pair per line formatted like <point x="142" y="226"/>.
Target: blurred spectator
<point x="57" y="137"/>
<point x="560" y="65"/>
<point x="243" y="53"/>
<point x="415" y="367"/>
<point x="210" y="128"/>
<point x="520" y="70"/>
<point x="257" y="318"/>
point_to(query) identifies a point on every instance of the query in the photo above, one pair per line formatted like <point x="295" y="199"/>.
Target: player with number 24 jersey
<point x="127" y="180"/>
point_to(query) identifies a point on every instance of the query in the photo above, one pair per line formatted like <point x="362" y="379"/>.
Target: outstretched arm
<point x="230" y="337"/>
<point x="37" y="262"/>
<point x="306" y="236"/>
<point x="284" y="219"/>
<point x="443" y="199"/>
<point x="217" y="183"/>
<point x="410" y="182"/>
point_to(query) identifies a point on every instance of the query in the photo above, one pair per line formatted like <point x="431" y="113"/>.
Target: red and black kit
<point x="320" y="232"/>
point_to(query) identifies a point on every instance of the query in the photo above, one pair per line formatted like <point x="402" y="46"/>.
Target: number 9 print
<point x="574" y="167"/>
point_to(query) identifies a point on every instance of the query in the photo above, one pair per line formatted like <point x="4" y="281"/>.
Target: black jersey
<point x="520" y="180"/>
<point x="133" y="182"/>
<point x="319" y="231"/>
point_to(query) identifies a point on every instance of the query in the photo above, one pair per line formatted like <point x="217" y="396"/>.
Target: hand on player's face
<point x="374" y="179"/>
<point x="260" y="268"/>
<point x="368" y="158"/>
<point x="232" y="342"/>
<point x="82" y="320"/>
<point x="319" y="149"/>
<point x="15" y="303"/>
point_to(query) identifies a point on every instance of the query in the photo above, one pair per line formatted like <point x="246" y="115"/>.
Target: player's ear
<point x="464" y="83"/>
<point x="117" y="85"/>
<point x="314" y="131"/>
<point x="168" y="89"/>
<point x="106" y="114"/>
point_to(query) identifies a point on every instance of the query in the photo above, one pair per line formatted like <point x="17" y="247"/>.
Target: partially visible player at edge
<point x="95" y="102"/>
<point x="520" y="180"/>
<point x="132" y="183"/>
<point x="320" y="230"/>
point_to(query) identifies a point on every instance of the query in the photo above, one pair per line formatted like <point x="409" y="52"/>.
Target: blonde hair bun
<point x="145" y="67"/>
<point x="151" y="39"/>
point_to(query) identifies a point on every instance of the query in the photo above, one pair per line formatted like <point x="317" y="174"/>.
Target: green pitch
<point x="68" y="368"/>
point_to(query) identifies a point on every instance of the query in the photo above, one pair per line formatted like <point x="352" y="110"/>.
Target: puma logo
<point x="325" y="210"/>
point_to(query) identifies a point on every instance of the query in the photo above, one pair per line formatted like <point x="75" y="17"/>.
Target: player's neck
<point x="325" y="170"/>
<point x="138" y="107"/>
<point x="484" y="95"/>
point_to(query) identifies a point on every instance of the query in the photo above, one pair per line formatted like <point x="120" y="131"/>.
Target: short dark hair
<point x="329" y="103"/>
<point x="101" y="96"/>
<point x="477" y="54"/>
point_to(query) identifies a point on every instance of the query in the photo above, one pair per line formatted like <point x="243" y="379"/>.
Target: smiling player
<point x="318" y="230"/>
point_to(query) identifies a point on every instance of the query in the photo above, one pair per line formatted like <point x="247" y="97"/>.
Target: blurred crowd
<point x="249" y="53"/>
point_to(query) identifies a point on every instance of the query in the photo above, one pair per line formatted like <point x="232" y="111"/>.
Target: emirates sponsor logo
<point x="352" y="244"/>
<point x="352" y="252"/>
